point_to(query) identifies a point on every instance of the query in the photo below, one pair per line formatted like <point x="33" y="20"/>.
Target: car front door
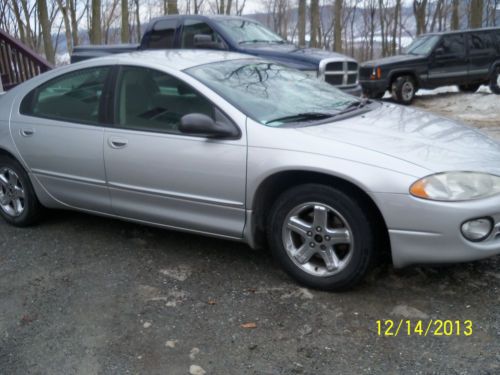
<point x="448" y="62"/>
<point x="158" y="174"/>
<point x="59" y="134"/>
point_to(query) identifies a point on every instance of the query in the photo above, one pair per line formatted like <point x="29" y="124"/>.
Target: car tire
<point x="321" y="237"/>
<point x="404" y="89"/>
<point x="495" y="81"/>
<point x="469" y="88"/>
<point x="19" y="205"/>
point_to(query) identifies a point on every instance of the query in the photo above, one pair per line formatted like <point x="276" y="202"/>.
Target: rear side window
<point x="481" y="42"/>
<point x="163" y="34"/>
<point x="74" y="97"/>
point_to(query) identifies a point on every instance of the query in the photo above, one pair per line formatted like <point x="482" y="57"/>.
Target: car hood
<point x="290" y="54"/>
<point x="392" y="60"/>
<point x="414" y="136"/>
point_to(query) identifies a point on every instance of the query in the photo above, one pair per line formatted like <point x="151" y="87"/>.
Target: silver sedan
<point x="245" y="149"/>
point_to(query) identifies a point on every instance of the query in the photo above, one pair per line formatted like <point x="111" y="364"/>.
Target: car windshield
<point x="422" y="45"/>
<point x="273" y="94"/>
<point x="244" y="31"/>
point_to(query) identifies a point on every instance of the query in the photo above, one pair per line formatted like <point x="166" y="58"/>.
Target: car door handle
<point x="117" y="142"/>
<point x="27" y="132"/>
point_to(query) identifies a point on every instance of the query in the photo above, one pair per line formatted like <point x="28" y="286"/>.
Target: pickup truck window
<point x="163" y="34"/>
<point x="243" y="31"/>
<point x="194" y="27"/>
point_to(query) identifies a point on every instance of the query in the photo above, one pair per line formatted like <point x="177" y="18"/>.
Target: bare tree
<point x="125" y="29"/>
<point x="455" y="15"/>
<point x="302" y="22"/>
<point x="95" y="23"/>
<point x="315" y="24"/>
<point x="476" y="13"/>
<point x="45" y="25"/>
<point x="420" y="12"/>
<point x="337" y="28"/>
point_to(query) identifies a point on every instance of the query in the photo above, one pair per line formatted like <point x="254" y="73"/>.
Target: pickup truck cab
<point x="236" y="34"/>
<point x="468" y="59"/>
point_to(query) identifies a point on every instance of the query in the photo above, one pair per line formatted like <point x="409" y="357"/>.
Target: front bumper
<point x="374" y="87"/>
<point x="428" y="232"/>
<point x="354" y="90"/>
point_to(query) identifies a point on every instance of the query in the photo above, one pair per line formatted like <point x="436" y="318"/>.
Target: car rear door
<point x="448" y="62"/>
<point x="58" y="131"/>
<point x="159" y="175"/>
<point x="482" y="52"/>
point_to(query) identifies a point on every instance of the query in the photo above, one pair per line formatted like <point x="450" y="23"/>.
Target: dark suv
<point x="468" y="59"/>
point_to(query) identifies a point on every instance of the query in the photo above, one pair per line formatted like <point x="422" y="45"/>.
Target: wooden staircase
<point x="18" y="63"/>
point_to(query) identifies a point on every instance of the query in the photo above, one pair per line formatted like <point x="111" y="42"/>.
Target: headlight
<point x="456" y="186"/>
<point x="311" y="73"/>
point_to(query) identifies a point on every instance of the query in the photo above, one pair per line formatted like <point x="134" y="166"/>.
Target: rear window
<point x="163" y="34"/>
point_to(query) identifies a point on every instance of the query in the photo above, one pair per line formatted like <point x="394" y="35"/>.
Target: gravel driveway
<point x="86" y="295"/>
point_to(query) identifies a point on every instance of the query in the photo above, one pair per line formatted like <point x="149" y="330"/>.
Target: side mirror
<point x="205" y="41"/>
<point x="204" y="126"/>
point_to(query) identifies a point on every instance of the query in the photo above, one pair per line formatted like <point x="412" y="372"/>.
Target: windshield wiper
<point x="299" y="117"/>
<point x="355" y="105"/>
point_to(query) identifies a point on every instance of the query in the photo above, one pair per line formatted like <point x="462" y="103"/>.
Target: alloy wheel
<point x="318" y="239"/>
<point x="12" y="195"/>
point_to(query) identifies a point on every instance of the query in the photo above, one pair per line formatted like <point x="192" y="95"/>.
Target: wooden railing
<point x="18" y="63"/>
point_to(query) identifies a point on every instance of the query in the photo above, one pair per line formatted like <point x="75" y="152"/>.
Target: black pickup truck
<point x="236" y="34"/>
<point x="468" y="59"/>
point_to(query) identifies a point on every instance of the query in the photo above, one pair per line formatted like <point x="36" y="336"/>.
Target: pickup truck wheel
<point x="19" y="205"/>
<point x="321" y="237"/>
<point x="469" y="88"/>
<point x="495" y="81"/>
<point x="404" y="89"/>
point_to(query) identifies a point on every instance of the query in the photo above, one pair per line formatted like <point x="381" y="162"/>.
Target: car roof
<point x="463" y="31"/>
<point x="178" y="59"/>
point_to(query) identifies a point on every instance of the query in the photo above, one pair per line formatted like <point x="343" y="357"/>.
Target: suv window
<point x="150" y="100"/>
<point x="74" y="97"/>
<point x="481" y="41"/>
<point x="194" y="27"/>
<point x="163" y="34"/>
<point x="453" y="44"/>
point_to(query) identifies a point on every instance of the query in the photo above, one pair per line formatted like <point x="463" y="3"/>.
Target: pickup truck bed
<point x="81" y="53"/>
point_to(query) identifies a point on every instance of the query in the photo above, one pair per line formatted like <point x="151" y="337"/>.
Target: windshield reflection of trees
<point x="256" y="79"/>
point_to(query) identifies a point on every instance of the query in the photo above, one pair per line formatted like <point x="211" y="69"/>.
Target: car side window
<point x="163" y="34"/>
<point x="74" y="97"/>
<point x="194" y="27"/>
<point x="150" y="100"/>
<point x="453" y="44"/>
<point x="480" y="42"/>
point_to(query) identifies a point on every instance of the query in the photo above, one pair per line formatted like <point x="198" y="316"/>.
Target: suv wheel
<point x="404" y="89"/>
<point x="321" y="237"/>
<point x="19" y="205"/>
<point x="469" y="88"/>
<point x="495" y="81"/>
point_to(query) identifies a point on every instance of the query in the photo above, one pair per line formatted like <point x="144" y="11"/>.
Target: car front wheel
<point x="321" y="237"/>
<point x="495" y="81"/>
<point x="19" y="205"/>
